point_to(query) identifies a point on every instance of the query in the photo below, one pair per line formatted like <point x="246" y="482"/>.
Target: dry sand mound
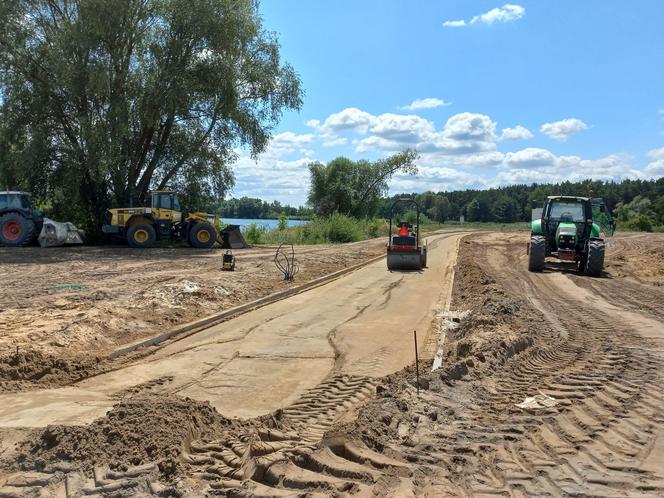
<point x="29" y="369"/>
<point x="134" y="432"/>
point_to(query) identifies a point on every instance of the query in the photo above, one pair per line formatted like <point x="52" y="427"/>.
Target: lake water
<point x="268" y="224"/>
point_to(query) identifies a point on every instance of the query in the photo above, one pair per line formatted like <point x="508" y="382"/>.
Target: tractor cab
<point x="15" y="200"/>
<point x="566" y="222"/>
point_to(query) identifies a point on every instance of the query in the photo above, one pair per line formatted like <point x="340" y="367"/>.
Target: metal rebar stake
<point x="417" y="364"/>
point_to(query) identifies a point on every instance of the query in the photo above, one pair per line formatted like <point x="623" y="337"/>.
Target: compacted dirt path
<point x="360" y="324"/>
<point x="339" y="416"/>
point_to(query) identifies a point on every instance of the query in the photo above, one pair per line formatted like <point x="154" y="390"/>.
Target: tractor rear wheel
<point x="595" y="261"/>
<point x="202" y="236"/>
<point x="141" y="235"/>
<point x="16" y="230"/>
<point x="537" y="253"/>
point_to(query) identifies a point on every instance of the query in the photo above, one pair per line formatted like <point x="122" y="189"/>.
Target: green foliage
<point x="254" y="234"/>
<point x="283" y="222"/>
<point x="355" y="188"/>
<point x="505" y="209"/>
<point x="410" y="216"/>
<point x="638" y="223"/>
<point x="334" y="229"/>
<point x="101" y="101"/>
<point x="636" y="215"/>
<point x="473" y="210"/>
<point x="626" y="200"/>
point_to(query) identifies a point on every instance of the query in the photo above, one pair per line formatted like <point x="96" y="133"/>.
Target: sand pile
<point x="28" y="369"/>
<point x="134" y="432"/>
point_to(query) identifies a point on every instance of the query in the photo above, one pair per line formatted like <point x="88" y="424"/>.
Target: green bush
<point x="339" y="228"/>
<point x="254" y="234"/>
<point x="283" y="221"/>
<point x="639" y="223"/>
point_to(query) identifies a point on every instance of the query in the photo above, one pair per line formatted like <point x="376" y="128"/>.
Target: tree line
<point x="254" y="208"/>
<point x="359" y="189"/>
<point x="637" y="204"/>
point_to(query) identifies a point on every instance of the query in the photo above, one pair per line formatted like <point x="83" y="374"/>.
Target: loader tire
<point x="537" y="253"/>
<point x="202" y="236"/>
<point x="16" y="230"/>
<point x="141" y="235"/>
<point x="595" y="261"/>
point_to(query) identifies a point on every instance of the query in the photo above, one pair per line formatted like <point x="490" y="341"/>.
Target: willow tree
<point x="355" y="188"/>
<point x="102" y="100"/>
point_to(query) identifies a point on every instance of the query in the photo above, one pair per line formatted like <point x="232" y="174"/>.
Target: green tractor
<point x="571" y="229"/>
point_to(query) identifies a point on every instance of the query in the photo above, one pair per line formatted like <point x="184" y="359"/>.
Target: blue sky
<point x="490" y="93"/>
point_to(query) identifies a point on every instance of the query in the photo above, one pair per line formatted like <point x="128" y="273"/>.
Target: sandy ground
<point x="65" y="309"/>
<point x="592" y="346"/>
<point x="267" y="358"/>
<point x="68" y="300"/>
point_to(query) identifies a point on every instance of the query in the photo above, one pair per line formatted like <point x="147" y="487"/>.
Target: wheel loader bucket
<point x="231" y="238"/>
<point x="54" y="234"/>
<point x="404" y="260"/>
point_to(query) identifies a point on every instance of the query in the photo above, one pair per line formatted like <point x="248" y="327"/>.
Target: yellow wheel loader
<point x="163" y="220"/>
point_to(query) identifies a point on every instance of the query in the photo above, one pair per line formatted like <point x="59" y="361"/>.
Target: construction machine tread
<point x="141" y="227"/>
<point x="26" y="230"/>
<point x="595" y="258"/>
<point x="537" y="253"/>
<point x="202" y="236"/>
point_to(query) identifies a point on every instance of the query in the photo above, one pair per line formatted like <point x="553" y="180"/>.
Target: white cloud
<point x="335" y="141"/>
<point x="462" y="153"/>
<point x="467" y="132"/>
<point x="289" y="141"/>
<point x="463" y="133"/>
<point x="542" y="166"/>
<point x="428" y="103"/>
<point x="436" y="178"/>
<point x="655" y="168"/>
<point x="517" y="133"/>
<point x="529" y="158"/>
<point x="401" y="128"/>
<point x="350" y="118"/>
<point x="522" y="176"/>
<point x="563" y="129"/>
<point x="656" y="153"/>
<point x="507" y="13"/>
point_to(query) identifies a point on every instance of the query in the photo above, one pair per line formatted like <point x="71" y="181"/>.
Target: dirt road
<point x="342" y="418"/>
<point x="360" y="324"/>
<point x="76" y="302"/>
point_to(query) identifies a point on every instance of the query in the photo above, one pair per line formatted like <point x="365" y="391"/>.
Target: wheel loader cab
<point x="163" y="199"/>
<point x="165" y="210"/>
